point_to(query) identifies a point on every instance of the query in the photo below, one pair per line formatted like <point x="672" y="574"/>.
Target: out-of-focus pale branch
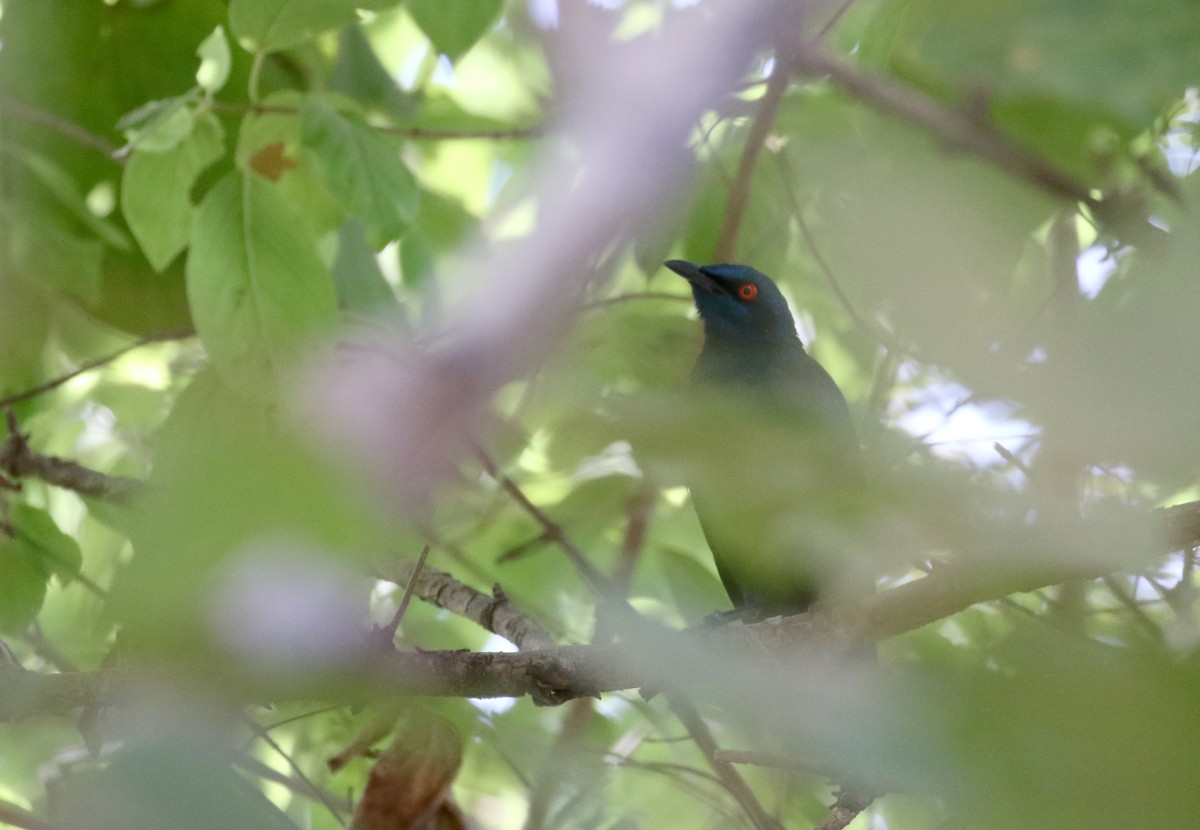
<point x="555" y="675"/>
<point x="618" y="151"/>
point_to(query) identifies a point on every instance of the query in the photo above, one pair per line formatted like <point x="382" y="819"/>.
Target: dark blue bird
<point x="777" y="471"/>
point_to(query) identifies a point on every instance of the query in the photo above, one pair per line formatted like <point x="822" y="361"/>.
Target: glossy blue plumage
<point x="780" y="460"/>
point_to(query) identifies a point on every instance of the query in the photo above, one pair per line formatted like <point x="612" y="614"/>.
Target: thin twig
<point x="880" y="337"/>
<point x="739" y="193"/>
<point x="62" y="126"/>
<point x="89" y="365"/>
<point x="336" y="810"/>
<point x="495" y="613"/>
<point x="833" y="20"/>
<point x="955" y="129"/>
<point x="773" y="760"/>
<point x="391" y="628"/>
<point x="1008" y="455"/>
<point x="553" y="531"/>
<point x="497" y="134"/>
<point x="731" y="779"/>
<point x="625" y="298"/>
<point x="1139" y="615"/>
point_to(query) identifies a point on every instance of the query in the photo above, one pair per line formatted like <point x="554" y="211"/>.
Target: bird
<point x="777" y="466"/>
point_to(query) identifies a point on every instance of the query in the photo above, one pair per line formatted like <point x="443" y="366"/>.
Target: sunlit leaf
<point x="216" y="61"/>
<point x="454" y="25"/>
<point x="279" y="24"/>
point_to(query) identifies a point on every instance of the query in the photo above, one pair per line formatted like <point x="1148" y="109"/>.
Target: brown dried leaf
<point x="409" y="786"/>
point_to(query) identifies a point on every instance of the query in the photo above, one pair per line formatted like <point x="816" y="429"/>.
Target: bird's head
<point x="736" y="301"/>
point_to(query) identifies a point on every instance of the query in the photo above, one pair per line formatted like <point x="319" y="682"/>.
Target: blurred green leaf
<point x="22" y="585"/>
<point x="1127" y="57"/>
<point x="159" y="126"/>
<point x="694" y="588"/>
<point x="454" y="26"/>
<point x="41" y="248"/>
<point x="230" y="475"/>
<point x="271" y="25"/>
<point x="156" y="190"/>
<point x="361" y="168"/>
<point x="360" y="283"/>
<point x="442" y="225"/>
<point x="359" y="75"/>
<point x="155" y="783"/>
<point x="66" y="193"/>
<point x="257" y="289"/>
<point x="46" y="545"/>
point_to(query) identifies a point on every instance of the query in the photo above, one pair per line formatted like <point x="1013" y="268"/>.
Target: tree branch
<point x="62" y="126"/>
<point x="19" y="461"/>
<point x="957" y="130"/>
<point x="730" y="778"/>
<point x="494" y="613"/>
<point x="498" y="134"/>
<point x="739" y="193"/>
<point x="89" y="365"/>
<point x="554" y="675"/>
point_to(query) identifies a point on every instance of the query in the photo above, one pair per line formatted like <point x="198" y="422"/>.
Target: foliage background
<point x="980" y="211"/>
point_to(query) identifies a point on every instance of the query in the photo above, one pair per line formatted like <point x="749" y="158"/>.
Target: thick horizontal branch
<point x="659" y="659"/>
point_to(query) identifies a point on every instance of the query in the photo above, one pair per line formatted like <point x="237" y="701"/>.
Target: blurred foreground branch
<point x="555" y="675"/>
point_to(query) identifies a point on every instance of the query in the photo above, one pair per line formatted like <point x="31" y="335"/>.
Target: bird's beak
<point x="694" y="274"/>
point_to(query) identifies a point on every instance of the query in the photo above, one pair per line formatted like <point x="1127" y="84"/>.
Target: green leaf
<point x="185" y="783"/>
<point x="454" y="26"/>
<point x="1129" y="58"/>
<point x="256" y="286"/>
<point x="361" y="168"/>
<point x="216" y="61"/>
<point x="277" y="24"/>
<point x="360" y="283"/>
<point x="156" y="191"/>
<point x="442" y="225"/>
<point x="222" y="454"/>
<point x="41" y="247"/>
<point x="159" y="125"/>
<point x="360" y="75"/>
<point x="53" y="551"/>
<point x="22" y="587"/>
<point x="24" y="328"/>
<point x="66" y="193"/>
<point x="694" y="587"/>
<point x="275" y="137"/>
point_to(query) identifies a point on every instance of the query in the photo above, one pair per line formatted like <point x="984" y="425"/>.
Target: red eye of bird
<point x="747" y="291"/>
